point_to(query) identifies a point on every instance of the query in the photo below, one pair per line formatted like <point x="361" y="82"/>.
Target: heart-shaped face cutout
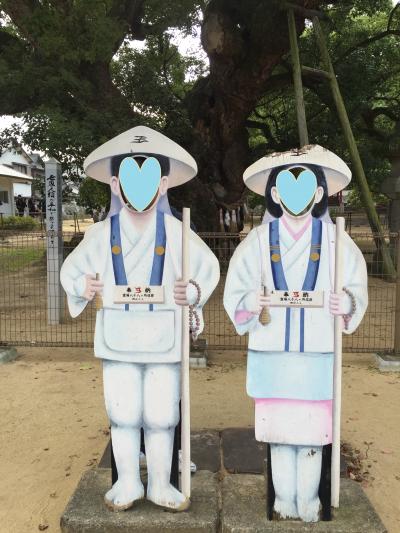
<point x="296" y="194"/>
<point x="140" y="184"/>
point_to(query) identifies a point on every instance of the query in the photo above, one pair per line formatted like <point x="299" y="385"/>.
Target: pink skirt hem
<point x="297" y="422"/>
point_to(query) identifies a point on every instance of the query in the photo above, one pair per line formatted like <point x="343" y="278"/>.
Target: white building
<point x="17" y="171"/>
<point x="12" y="183"/>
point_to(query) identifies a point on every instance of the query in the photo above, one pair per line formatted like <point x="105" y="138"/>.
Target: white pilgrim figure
<point x="140" y="344"/>
<point x="290" y="359"/>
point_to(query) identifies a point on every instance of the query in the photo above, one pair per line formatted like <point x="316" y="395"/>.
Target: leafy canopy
<point x="73" y="71"/>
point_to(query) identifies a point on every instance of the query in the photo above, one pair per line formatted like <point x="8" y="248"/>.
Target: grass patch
<point x="16" y="259"/>
<point x="20" y="223"/>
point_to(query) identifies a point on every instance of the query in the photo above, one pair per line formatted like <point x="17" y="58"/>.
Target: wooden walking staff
<point x="185" y="394"/>
<point x="265" y="317"/>
<point x="98" y="298"/>
<point x="337" y="369"/>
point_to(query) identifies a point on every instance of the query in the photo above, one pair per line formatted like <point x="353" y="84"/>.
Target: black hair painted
<point x="318" y="210"/>
<point x="117" y="160"/>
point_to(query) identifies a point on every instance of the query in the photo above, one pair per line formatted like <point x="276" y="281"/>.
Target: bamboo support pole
<point x="318" y="73"/>
<point x="298" y="85"/>
<point x="357" y="166"/>
<point x="305" y="12"/>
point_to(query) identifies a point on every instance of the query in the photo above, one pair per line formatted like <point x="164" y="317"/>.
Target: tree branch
<point x="21" y="12"/>
<point x="134" y="14"/>
<point x="391" y="15"/>
<point x="370" y="115"/>
<point x="307" y="13"/>
<point x="163" y="50"/>
<point x="366" y="42"/>
<point x="263" y="126"/>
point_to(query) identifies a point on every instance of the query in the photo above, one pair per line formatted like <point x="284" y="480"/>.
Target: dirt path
<point x="54" y="427"/>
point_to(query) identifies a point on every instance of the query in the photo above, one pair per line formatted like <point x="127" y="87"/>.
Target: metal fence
<point x="24" y="304"/>
<point x="356" y="219"/>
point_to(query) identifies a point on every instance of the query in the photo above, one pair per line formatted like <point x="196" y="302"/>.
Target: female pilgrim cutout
<point x="140" y="343"/>
<point x="290" y="359"/>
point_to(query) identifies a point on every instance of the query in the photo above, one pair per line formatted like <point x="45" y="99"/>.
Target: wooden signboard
<point x="297" y="299"/>
<point x="138" y="294"/>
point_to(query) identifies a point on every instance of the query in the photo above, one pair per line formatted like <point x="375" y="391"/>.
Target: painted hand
<point x="262" y="301"/>
<point x="92" y="286"/>
<point x="337" y="303"/>
<point x="180" y="295"/>
<point x="255" y="301"/>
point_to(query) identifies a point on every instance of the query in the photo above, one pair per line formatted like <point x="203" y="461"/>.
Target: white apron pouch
<point x="139" y="331"/>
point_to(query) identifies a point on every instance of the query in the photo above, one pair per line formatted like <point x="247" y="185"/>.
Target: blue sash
<point x="157" y="269"/>
<point x="278" y="274"/>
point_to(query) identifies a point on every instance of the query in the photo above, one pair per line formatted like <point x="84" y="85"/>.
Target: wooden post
<point x="357" y="167"/>
<point x="337" y="370"/>
<point x="397" y="313"/>
<point x="298" y="86"/>
<point x="185" y="394"/>
<point x="55" y="294"/>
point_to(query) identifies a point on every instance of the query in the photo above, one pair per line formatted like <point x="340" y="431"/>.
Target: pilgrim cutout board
<point x="287" y="266"/>
<point x="133" y="261"/>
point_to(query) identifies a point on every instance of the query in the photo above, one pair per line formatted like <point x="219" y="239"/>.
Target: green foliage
<point x="71" y="73"/>
<point x="369" y="76"/>
<point x="93" y="195"/>
<point x="253" y="200"/>
<point x="74" y="74"/>
<point x="19" y="223"/>
<point x="353" y="199"/>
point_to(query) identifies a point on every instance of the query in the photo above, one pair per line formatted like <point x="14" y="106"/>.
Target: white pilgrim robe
<point x="244" y="277"/>
<point x="138" y="335"/>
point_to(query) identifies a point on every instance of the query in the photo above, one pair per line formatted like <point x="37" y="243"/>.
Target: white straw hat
<point x="337" y="173"/>
<point x="141" y="140"/>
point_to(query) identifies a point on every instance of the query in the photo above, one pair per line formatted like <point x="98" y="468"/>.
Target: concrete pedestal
<point x="244" y="510"/>
<point x="388" y="362"/>
<point x="86" y="512"/>
<point x="221" y="502"/>
<point x="7" y="354"/>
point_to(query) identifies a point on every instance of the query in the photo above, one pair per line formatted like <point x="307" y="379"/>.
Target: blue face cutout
<point x="140" y="184"/>
<point x="296" y="193"/>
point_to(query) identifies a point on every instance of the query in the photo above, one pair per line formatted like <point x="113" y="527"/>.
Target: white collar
<point x="130" y="231"/>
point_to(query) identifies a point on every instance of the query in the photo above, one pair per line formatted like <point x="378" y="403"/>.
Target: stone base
<point x="221" y="502"/>
<point x="198" y="353"/>
<point x="388" y="362"/>
<point x="86" y="512"/>
<point x="244" y="510"/>
<point x="7" y="354"/>
<point x="198" y="362"/>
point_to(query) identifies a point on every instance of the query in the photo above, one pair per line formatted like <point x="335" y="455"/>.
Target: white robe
<point x="252" y="257"/>
<point x="144" y="336"/>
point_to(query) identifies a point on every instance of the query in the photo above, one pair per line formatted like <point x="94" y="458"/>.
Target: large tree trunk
<point x="244" y="42"/>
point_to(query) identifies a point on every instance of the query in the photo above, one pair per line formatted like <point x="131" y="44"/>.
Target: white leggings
<point x="142" y="395"/>
<point x="296" y="474"/>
